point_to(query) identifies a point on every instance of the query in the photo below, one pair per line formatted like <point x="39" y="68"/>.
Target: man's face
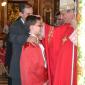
<point x="68" y="15"/>
<point x="27" y="12"/>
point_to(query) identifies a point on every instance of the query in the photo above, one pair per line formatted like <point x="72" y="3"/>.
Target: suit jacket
<point x="18" y="35"/>
<point x="32" y="67"/>
<point x="8" y="51"/>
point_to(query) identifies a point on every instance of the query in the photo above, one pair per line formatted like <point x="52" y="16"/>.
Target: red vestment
<point x="59" y="55"/>
<point x="32" y="67"/>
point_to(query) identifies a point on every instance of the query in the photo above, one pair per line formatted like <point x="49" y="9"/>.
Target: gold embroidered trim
<point x="50" y="34"/>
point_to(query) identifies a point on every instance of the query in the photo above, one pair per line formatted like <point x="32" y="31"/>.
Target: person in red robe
<point x="65" y="61"/>
<point x="59" y="54"/>
<point x="61" y="50"/>
<point x="33" y="66"/>
<point x="54" y="42"/>
<point x="2" y="57"/>
<point x="2" y="52"/>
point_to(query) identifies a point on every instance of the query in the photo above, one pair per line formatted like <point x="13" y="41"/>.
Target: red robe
<point x="2" y="55"/>
<point x="59" y="54"/>
<point x="32" y="67"/>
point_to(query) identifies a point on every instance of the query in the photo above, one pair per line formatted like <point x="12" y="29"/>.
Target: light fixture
<point x="3" y="3"/>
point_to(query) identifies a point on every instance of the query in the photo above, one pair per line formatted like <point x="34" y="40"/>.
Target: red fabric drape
<point x="59" y="55"/>
<point x="32" y="67"/>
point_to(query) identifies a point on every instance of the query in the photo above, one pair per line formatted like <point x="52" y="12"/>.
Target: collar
<point x="22" y="21"/>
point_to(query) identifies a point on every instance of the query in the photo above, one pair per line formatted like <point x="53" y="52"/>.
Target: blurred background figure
<point x="2" y="57"/>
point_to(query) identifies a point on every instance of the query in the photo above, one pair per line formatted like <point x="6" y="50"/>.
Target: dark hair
<point x="24" y="5"/>
<point x="31" y="20"/>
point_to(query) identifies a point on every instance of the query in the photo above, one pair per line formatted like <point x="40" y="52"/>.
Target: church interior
<point x="49" y="10"/>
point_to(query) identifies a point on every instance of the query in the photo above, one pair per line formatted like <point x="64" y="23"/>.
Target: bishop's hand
<point x="33" y="40"/>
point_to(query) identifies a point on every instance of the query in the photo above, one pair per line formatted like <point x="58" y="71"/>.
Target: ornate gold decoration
<point x="50" y="34"/>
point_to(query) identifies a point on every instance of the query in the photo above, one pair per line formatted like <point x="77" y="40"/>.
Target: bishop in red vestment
<point x="59" y="54"/>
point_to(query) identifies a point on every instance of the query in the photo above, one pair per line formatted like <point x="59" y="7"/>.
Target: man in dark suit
<point x="18" y="35"/>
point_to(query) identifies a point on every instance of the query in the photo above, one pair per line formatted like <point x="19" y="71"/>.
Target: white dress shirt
<point x="22" y="21"/>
